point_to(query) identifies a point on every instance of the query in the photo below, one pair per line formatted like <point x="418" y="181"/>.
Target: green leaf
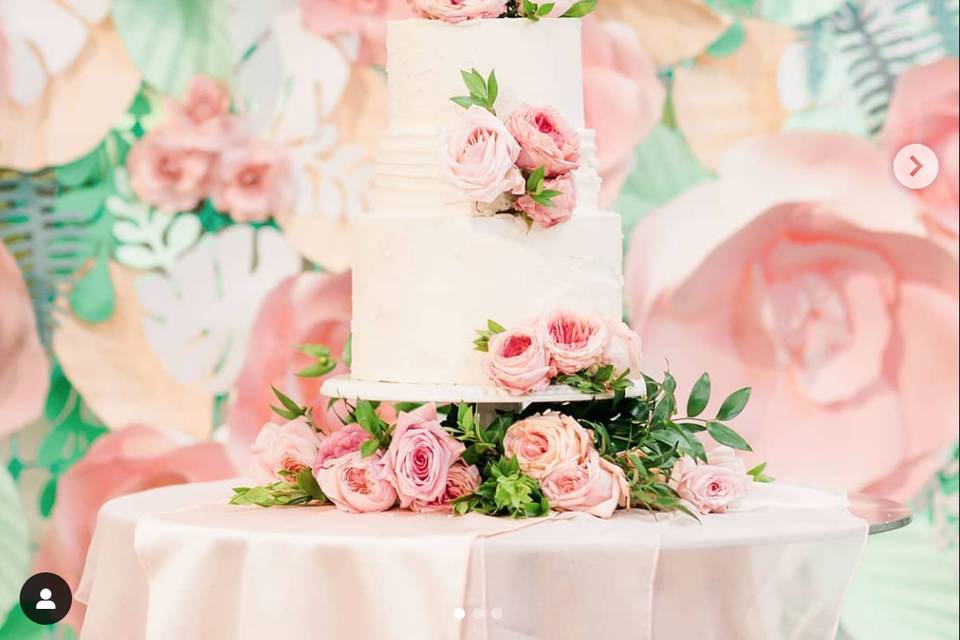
<point x="48" y="496"/>
<point x="535" y="180"/>
<point x="729" y="42"/>
<point x="475" y="84"/>
<point x="368" y="419"/>
<point x="581" y="9"/>
<point x="369" y="448"/>
<point x="544" y="10"/>
<point x="317" y="369"/>
<point x="495" y="327"/>
<point x="93" y="298"/>
<point x="315" y="350"/>
<point x="699" y="396"/>
<point x="758" y="475"/>
<point x="727" y="436"/>
<point x="308" y="484"/>
<point x="464" y="101"/>
<point x="493" y="88"/>
<point x="288" y="404"/>
<point x="734" y="404"/>
<point x="669" y="383"/>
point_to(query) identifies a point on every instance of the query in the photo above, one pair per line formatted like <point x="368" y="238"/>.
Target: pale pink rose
<point x="623" y="98"/>
<point x="167" y="175"/>
<point x="25" y="369"/>
<point x="340" y="443"/>
<point x="355" y="484"/>
<point x="711" y="487"/>
<point x="479" y="157"/>
<point x="288" y="447"/>
<point x="419" y="457"/>
<point x="829" y="311"/>
<point x="545" y="441"/>
<point x="563" y="204"/>
<point x="364" y="18"/>
<point x="119" y="463"/>
<point x="925" y="109"/>
<point x="595" y="485"/>
<point x="517" y="361"/>
<point x="560" y="7"/>
<point x="201" y="120"/>
<point x="455" y="11"/>
<point x="252" y="181"/>
<point x="575" y="342"/>
<point x="462" y="480"/>
<point x="623" y="348"/>
<point x="307" y="308"/>
<point x="545" y="139"/>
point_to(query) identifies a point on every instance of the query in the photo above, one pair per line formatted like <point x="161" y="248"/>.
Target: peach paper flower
<point x="167" y="175"/>
<point x="252" y="181"/>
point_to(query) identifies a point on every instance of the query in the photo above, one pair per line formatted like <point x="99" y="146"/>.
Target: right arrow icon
<point x="916" y="166"/>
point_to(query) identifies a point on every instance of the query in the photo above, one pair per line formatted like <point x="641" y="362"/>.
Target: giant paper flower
<point x="847" y="332"/>
<point x="122" y="462"/>
<point x="24" y="368"/>
<point x="364" y="19"/>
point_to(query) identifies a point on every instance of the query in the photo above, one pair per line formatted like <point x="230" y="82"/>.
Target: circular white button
<point x="459" y="613"/>
<point x="496" y="613"/>
<point x="916" y="166"/>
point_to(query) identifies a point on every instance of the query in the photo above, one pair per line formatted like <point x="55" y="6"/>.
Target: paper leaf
<point x="92" y="296"/>
<point x="14" y="544"/>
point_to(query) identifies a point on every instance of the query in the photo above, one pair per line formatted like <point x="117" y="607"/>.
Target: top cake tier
<point x="536" y="63"/>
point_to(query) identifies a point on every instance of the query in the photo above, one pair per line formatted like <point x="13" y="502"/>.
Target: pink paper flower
<point x="623" y="349"/>
<point x="420" y="455"/>
<point x="479" y="157"/>
<point x="461" y="480"/>
<point x="119" y="463"/>
<point x="340" y="443"/>
<point x="546" y="140"/>
<point x="926" y="109"/>
<point x="459" y="10"/>
<point x="712" y="487"/>
<point x="594" y="485"/>
<point x="563" y="204"/>
<point x="167" y="175"/>
<point x="545" y="441"/>
<point x="575" y="342"/>
<point x="355" y="484"/>
<point x="518" y="362"/>
<point x="25" y="369"/>
<point x="201" y="120"/>
<point x="289" y="447"/>
<point x="364" y="18"/>
<point x="252" y="181"/>
<point x="623" y="98"/>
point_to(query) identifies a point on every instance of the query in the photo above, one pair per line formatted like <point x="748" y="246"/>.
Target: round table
<point x="178" y="562"/>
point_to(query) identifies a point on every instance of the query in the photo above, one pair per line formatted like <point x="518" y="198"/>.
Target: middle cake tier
<point x="423" y="285"/>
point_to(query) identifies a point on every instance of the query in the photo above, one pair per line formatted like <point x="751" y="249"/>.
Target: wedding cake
<point x="434" y="263"/>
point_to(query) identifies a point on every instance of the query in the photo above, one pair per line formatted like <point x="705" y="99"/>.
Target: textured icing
<point x="423" y="285"/>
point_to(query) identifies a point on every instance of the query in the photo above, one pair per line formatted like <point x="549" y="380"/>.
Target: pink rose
<point x="479" y="157"/>
<point x="289" y="447"/>
<point x="419" y="456"/>
<point x="459" y="10"/>
<point x="560" y="7"/>
<point x="364" y="18"/>
<point x="545" y="139"/>
<point x="713" y="487"/>
<point x="545" y="441"/>
<point x="201" y="120"/>
<point x="623" y="348"/>
<point x="563" y="204"/>
<point x="252" y="181"/>
<point x="575" y="342"/>
<point x="25" y="369"/>
<point x="340" y="443"/>
<point x="925" y="109"/>
<point x="355" y="484"/>
<point x="594" y="485"/>
<point x="166" y="175"/>
<point x="517" y="361"/>
<point x="462" y="480"/>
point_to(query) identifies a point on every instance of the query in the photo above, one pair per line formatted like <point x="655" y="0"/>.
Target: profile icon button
<point x="45" y="598"/>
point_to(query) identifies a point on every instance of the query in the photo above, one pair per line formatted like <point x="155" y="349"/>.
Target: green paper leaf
<point x="734" y="404"/>
<point x="729" y="42"/>
<point x="699" y="396"/>
<point x="93" y="297"/>
<point x="48" y="496"/>
<point x="14" y="543"/>
<point x="727" y="436"/>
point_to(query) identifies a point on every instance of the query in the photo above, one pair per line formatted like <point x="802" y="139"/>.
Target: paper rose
<point x="201" y="119"/>
<point x="517" y="360"/>
<point x="623" y="348"/>
<point x="459" y="10"/>
<point x="364" y="18"/>
<point x="575" y="342"/>
<point x="252" y="181"/>
<point x="340" y="443"/>
<point x="594" y="485"/>
<point x="479" y="157"/>
<point x="545" y="441"/>
<point x="355" y="484"/>
<point x="713" y="487"/>
<point x="289" y="447"/>
<point x="461" y="480"/>
<point x="925" y="109"/>
<point x="545" y="140"/>
<point x="167" y="175"/>
<point x="419" y="456"/>
<point x="562" y="204"/>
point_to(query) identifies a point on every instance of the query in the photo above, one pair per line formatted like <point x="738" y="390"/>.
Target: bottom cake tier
<point x="423" y="286"/>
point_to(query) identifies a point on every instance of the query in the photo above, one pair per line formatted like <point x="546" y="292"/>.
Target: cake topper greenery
<point x="456" y="11"/>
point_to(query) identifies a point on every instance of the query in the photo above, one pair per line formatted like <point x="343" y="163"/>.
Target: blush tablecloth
<point x="177" y="562"/>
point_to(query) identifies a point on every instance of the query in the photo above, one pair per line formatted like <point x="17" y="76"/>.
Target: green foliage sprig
<point x="365" y="415"/>
<point x="535" y="12"/>
<point x="537" y="191"/>
<point x="483" y="91"/>
<point x="482" y="342"/>
<point x="301" y="489"/>
<point x="505" y="492"/>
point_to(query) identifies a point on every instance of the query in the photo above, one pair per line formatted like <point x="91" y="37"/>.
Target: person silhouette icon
<point x="45" y="601"/>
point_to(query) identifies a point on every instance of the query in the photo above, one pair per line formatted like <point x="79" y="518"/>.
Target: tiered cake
<point x="429" y="270"/>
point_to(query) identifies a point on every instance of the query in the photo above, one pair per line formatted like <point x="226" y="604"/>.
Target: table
<point x="177" y="562"/>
